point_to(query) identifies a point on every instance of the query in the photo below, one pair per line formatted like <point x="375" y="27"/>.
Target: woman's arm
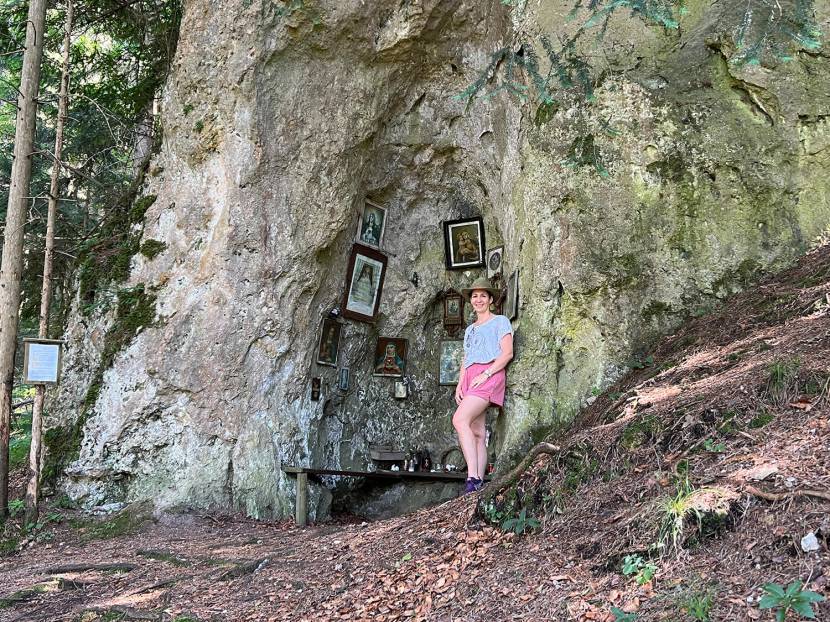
<point x="501" y="361"/>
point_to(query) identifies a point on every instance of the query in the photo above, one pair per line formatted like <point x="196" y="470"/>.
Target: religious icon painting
<point x="329" y="343"/>
<point x="371" y="225"/>
<point x="449" y="361"/>
<point x="315" y="389"/>
<point x="464" y="243"/>
<point x="390" y="357"/>
<point x="364" y="283"/>
<point x="453" y="309"/>
<point x="343" y="379"/>
<point x="495" y="257"/>
<point x="511" y="302"/>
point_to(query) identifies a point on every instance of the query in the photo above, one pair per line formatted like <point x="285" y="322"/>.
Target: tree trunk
<point x="11" y="265"/>
<point x="35" y="451"/>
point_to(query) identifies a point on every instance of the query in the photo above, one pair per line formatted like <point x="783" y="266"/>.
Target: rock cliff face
<point x="281" y="118"/>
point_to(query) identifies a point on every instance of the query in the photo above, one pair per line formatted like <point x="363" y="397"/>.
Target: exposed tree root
<point x="511" y="477"/>
<point x="120" y="567"/>
<point x="782" y="496"/>
<point x="243" y="568"/>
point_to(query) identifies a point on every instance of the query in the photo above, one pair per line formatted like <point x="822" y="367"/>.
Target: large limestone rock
<point x="280" y="118"/>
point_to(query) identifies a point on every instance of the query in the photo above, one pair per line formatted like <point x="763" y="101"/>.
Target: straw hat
<point x="481" y="282"/>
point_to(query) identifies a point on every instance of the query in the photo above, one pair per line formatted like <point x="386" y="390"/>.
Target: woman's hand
<point x="479" y="380"/>
<point x="458" y="394"/>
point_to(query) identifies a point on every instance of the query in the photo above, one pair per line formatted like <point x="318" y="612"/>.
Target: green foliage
<point x="643" y="571"/>
<point x="119" y="60"/>
<point x="521" y="523"/>
<point x="15" y="507"/>
<point x="713" y="446"/>
<point x="641" y="363"/>
<point x="793" y="598"/>
<point x="760" y="420"/>
<point x="151" y="248"/>
<point x="698" y="605"/>
<point x="622" y="616"/>
<point x="20" y="440"/>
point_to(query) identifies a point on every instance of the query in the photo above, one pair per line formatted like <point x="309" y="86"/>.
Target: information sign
<point x="42" y="360"/>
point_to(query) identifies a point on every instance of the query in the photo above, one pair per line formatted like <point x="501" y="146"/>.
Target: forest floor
<point x="698" y="479"/>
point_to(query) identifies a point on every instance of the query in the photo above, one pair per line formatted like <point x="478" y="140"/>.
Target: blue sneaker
<point x="470" y="485"/>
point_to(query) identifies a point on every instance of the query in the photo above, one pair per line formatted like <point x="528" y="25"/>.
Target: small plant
<point x="640" y="363"/>
<point x="697" y="605"/>
<point x="15" y="507"/>
<point x="622" y="616"/>
<point x="710" y="445"/>
<point x="643" y="571"/>
<point x="521" y="523"/>
<point x="792" y="597"/>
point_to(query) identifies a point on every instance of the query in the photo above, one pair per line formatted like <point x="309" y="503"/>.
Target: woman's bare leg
<point x="479" y="427"/>
<point x="468" y="411"/>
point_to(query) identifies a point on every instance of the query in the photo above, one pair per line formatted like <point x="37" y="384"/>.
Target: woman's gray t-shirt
<point x="482" y="343"/>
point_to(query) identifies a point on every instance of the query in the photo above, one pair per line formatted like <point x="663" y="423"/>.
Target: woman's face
<point x="480" y="299"/>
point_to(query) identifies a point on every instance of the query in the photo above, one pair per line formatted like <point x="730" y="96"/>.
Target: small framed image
<point x="390" y="357"/>
<point x="511" y="301"/>
<point x="343" y="379"/>
<point x="364" y="283"/>
<point x="315" y="389"/>
<point x="453" y="309"/>
<point x="42" y="359"/>
<point x="495" y="257"/>
<point x="464" y="243"/>
<point x="329" y="343"/>
<point x="371" y="224"/>
<point x="400" y="390"/>
<point x="449" y="363"/>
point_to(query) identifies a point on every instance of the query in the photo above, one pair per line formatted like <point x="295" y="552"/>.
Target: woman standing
<point x="488" y="348"/>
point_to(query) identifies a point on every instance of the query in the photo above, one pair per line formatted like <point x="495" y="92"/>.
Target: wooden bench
<point x="302" y="473"/>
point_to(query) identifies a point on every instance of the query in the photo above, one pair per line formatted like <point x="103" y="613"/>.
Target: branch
<point x="782" y="496"/>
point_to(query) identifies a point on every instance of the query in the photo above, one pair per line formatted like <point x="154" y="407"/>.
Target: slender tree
<point x="33" y="488"/>
<point x="11" y="264"/>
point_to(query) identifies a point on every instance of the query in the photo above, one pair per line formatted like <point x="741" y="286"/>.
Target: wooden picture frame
<point x="364" y="283"/>
<point x="450" y="353"/>
<point x="464" y="243"/>
<point x="453" y="309"/>
<point x="329" y="344"/>
<point x="371" y="225"/>
<point x="390" y="357"/>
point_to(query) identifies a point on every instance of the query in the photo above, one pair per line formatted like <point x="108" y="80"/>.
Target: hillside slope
<point x="705" y="467"/>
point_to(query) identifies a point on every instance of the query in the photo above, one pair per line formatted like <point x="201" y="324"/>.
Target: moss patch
<point x="106" y="257"/>
<point x="761" y="419"/>
<point x="128" y="521"/>
<point x="639" y="433"/>
<point x="151" y="248"/>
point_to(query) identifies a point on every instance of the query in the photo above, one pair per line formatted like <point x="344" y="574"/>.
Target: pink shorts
<point x="492" y="390"/>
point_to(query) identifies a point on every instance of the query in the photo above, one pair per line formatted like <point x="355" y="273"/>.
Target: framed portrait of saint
<point x="453" y="309"/>
<point x="371" y="225"/>
<point x="464" y="243"/>
<point x="511" y="301"/>
<point x="364" y="283"/>
<point x="449" y="361"/>
<point x="329" y="343"/>
<point x="495" y="257"/>
<point x="390" y="357"/>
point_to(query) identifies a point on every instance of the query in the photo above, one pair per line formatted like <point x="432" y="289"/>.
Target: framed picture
<point x="494" y="261"/>
<point x="364" y="283"/>
<point x="453" y="309"/>
<point x="371" y="225"/>
<point x="464" y="243"/>
<point x="390" y="357"/>
<point x="343" y="379"/>
<point x="511" y="302"/>
<point x="449" y="361"/>
<point x="315" y="389"/>
<point x="329" y="343"/>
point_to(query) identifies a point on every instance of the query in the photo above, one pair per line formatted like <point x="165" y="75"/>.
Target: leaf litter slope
<point x="700" y="473"/>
